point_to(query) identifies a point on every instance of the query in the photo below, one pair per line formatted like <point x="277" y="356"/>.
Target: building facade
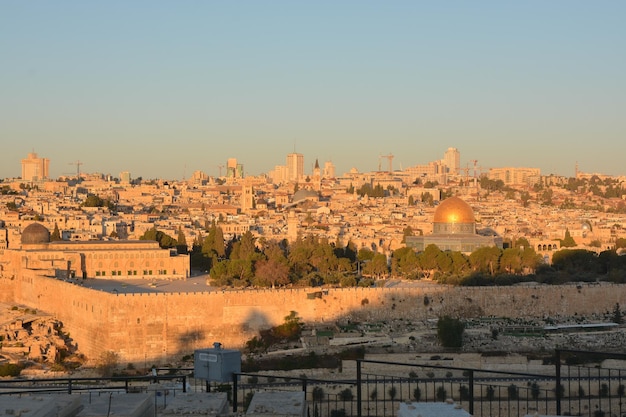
<point x="35" y="168"/>
<point x="452" y="160"/>
<point x="295" y="166"/>
<point x="118" y="259"/>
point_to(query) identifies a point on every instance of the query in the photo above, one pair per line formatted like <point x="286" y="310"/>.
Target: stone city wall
<point x="154" y="327"/>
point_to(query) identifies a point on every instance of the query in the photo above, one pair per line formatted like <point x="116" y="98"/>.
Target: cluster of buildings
<point x="98" y="242"/>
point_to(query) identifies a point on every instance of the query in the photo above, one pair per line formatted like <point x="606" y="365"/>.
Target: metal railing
<point x="574" y="383"/>
<point x="380" y="386"/>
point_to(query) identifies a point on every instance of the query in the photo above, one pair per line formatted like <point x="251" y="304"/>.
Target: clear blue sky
<point x="163" y="88"/>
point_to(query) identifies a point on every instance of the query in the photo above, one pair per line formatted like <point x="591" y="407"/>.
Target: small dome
<point x="454" y="210"/>
<point x="304" y="195"/>
<point x="35" y="233"/>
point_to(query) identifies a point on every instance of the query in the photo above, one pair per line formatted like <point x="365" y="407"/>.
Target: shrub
<point x="10" y="369"/>
<point x="417" y="394"/>
<point x="450" y="331"/>
<point x="441" y="393"/>
<point x="346" y="395"/>
<point x="107" y="363"/>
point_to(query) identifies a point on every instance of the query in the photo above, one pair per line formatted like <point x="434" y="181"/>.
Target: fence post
<point x="471" y="391"/>
<point x="234" y="392"/>
<point x="358" y="388"/>
<point x="557" y="364"/>
<point x="69" y="386"/>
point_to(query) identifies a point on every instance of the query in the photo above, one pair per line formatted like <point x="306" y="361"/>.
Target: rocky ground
<point x="30" y="337"/>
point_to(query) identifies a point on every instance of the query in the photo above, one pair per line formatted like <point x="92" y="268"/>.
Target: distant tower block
<point x="295" y="166"/>
<point x="233" y="169"/>
<point x="35" y="168"/>
<point x="125" y="177"/>
<point x="452" y="159"/>
<point x="329" y="170"/>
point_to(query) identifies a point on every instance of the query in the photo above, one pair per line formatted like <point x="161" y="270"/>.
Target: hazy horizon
<point x="162" y="89"/>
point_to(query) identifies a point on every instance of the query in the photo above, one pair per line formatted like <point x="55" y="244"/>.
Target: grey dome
<point x="304" y="195"/>
<point x="35" y="233"/>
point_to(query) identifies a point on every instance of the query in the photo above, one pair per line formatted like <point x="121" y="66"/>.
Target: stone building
<point x="454" y="229"/>
<point x="120" y="259"/>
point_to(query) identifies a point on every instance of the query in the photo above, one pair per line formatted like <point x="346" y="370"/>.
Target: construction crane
<point x="220" y="168"/>
<point x="78" y="164"/>
<point x="466" y="170"/>
<point x="389" y="158"/>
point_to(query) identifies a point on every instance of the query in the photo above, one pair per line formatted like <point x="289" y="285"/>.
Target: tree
<point x="408" y="231"/>
<point x="271" y="272"/>
<point x="486" y="259"/>
<point x="535" y="391"/>
<point x="392" y="392"/>
<point x="617" y="314"/>
<point x="417" y="394"/>
<point x="441" y="393"/>
<point x="450" y="331"/>
<point x="404" y="263"/>
<point x="318" y="394"/>
<point x="377" y="266"/>
<point x="346" y="395"/>
<point x="55" y="236"/>
<point x="165" y="241"/>
<point x="568" y="241"/>
<point x="427" y="260"/>
<point x="464" y="393"/>
<point x="513" y="392"/>
<point x="107" y="363"/>
<point x="490" y="393"/>
<point x="604" y="390"/>
<point x="181" y="241"/>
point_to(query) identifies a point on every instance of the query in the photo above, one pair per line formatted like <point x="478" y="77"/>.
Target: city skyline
<point x="163" y="90"/>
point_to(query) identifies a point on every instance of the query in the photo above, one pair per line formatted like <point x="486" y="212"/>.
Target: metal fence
<point x="590" y="385"/>
<point x="578" y="383"/>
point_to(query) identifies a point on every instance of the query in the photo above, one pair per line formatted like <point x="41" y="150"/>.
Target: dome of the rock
<point x="454" y="210"/>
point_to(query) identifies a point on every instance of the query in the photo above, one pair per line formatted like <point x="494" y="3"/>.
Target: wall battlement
<point x="155" y="327"/>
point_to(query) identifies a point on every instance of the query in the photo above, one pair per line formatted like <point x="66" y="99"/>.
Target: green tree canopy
<point x="450" y="331"/>
<point x="165" y="241"/>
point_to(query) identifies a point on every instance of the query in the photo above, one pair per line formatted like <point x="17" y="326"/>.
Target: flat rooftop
<point x="195" y="283"/>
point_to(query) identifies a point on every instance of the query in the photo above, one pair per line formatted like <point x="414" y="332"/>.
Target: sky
<point x="165" y="88"/>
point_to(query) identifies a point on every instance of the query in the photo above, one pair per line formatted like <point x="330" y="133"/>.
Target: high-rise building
<point x="329" y="170"/>
<point x="515" y="176"/>
<point x="125" y="177"/>
<point x="233" y="169"/>
<point x="452" y="159"/>
<point x="295" y="166"/>
<point x="34" y="168"/>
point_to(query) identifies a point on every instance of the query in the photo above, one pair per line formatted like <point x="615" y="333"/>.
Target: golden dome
<point x="454" y="210"/>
